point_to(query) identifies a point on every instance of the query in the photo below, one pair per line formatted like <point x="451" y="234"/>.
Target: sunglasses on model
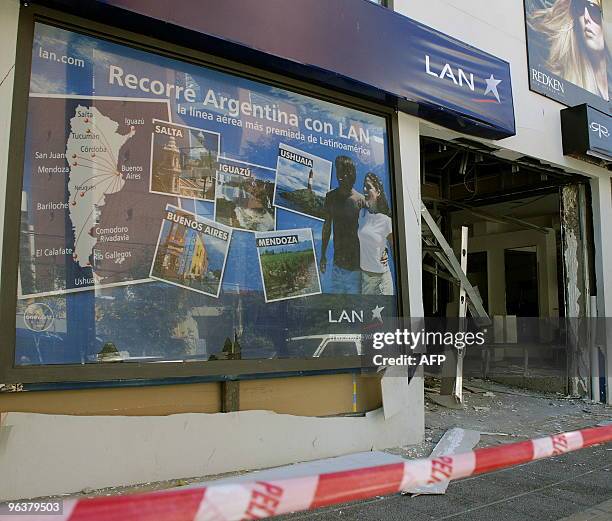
<point x="593" y="9"/>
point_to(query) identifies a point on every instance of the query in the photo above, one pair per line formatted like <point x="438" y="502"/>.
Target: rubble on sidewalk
<point x="513" y="413"/>
<point x="454" y="441"/>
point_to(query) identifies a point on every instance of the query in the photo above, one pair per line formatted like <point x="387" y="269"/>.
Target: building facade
<point x="248" y="360"/>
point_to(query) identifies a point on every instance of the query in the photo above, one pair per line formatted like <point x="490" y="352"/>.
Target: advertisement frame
<point x="586" y="97"/>
<point x="126" y="373"/>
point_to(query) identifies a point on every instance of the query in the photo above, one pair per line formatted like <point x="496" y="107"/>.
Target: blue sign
<point x="356" y="46"/>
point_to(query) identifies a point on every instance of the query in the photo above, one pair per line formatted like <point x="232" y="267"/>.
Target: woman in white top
<point x="375" y="236"/>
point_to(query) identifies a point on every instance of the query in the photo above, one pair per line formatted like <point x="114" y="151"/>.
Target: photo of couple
<point x="360" y="227"/>
<point x="567" y="38"/>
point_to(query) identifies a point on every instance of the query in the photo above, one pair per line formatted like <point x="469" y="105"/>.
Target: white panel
<point x="602" y="217"/>
<point x="411" y="179"/>
<point x="49" y="454"/>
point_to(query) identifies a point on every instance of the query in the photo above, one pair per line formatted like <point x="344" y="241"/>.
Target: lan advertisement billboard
<point x="175" y="212"/>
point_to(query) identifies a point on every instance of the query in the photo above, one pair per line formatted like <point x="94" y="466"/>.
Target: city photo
<point x="302" y="180"/>
<point x="288" y="264"/>
<point x="183" y="160"/>
<point x="191" y="252"/>
<point x="244" y="194"/>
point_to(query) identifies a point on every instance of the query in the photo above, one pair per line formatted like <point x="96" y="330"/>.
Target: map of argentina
<point x="92" y="152"/>
<point x="88" y="217"/>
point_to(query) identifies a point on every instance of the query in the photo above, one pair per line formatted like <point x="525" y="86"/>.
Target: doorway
<point x="521" y="267"/>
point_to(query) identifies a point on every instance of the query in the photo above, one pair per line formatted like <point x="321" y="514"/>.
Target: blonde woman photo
<point x="576" y="41"/>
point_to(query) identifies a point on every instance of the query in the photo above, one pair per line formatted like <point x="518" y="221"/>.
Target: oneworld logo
<point x="462" y="79"/>
<point x="599" y="129"/>
<point x="38" y="317"/>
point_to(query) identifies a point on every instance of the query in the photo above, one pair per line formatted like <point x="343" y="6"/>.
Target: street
<point x="546" y="490"/>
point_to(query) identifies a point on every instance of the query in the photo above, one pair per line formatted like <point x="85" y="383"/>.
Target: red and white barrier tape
<point x="258" y="500"/>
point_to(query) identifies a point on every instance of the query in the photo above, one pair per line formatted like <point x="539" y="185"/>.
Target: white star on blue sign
<point x="376" y="313"/>
<point x="492" y="84"/>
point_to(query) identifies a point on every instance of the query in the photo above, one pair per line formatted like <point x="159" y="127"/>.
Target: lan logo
<point x="354" y="317"/>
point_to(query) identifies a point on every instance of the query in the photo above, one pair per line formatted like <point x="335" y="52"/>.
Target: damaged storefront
<point x="209" y="206"/>
<point x="525" y="218"/>
<point x="527" y="230"/>
<point x="200" y="223"/>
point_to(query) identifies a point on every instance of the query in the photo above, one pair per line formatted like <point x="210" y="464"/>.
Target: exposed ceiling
<point x="466" y="171"/>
